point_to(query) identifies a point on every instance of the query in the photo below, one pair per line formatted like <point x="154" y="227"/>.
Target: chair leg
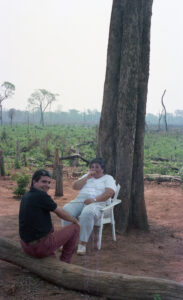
<point x="100" y="237"/>
<point x="113" y="231"/>
<point x="113" y="226"/>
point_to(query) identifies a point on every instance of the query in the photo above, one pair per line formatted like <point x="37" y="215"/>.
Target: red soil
<point x="158" y="253"/>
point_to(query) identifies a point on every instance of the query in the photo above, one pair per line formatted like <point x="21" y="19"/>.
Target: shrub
<point x="157" y="297"/>
<point x="17" y="164"/>
<point x="22" y="183"/>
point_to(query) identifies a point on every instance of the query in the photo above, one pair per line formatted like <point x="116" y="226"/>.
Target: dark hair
<point x="98" y="160"/>
<point x="37" y="175"/>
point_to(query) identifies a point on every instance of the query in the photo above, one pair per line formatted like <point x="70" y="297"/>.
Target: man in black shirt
<point x="37" y="234"/>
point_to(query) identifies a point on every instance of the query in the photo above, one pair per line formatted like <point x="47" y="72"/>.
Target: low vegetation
<point x="164" y="153"/>
<point x="35" y="146"/>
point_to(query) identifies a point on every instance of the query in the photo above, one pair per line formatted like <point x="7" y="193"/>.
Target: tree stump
<point x="59" y="181"/>
<point x="18" y="151"/>
<point x="55" y="163"/>
<point x="2" y="168"/>
<point x="107" y="284"/>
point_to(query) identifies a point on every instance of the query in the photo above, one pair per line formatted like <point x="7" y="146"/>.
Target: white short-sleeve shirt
<point x="95" y="187"/>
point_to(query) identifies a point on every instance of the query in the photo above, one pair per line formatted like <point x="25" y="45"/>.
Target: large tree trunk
<point x="122" y="124"/>
<point x="108" y="284"/>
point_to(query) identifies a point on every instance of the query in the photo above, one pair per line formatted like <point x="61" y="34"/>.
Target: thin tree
<point x="164" y="110"/>
<point x="41" y="99"/>
<point x="11" y="114"/>
<point x="7" y="90"/>
<point x="159" y="121"/>
<point x="162" y="114"/>
<point x="122" y="123"/>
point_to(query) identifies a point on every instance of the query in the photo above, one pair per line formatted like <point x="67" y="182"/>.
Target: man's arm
<point x="103" y="197"/>
<point x="78" y="184"/>
<point x="63" y="214"/>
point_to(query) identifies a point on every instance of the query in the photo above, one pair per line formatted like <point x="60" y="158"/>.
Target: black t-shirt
<point x="34" y="215"/>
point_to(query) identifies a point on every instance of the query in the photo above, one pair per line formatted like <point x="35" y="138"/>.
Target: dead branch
<point x="86" y="143"/>
<point x="73" y="156"/>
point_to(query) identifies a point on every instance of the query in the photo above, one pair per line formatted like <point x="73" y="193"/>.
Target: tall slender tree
<point x="7" y="90"/>
<point x="122" y="123"/>
<point x="11" y="114"/>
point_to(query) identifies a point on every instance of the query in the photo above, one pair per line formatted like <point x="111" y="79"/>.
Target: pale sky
<point x="61" y="46"/>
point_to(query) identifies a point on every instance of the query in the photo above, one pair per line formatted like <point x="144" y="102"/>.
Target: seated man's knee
<point x="87" y="214"/>
<point x="68" y="208"/>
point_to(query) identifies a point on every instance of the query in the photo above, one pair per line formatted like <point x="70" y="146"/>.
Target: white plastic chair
<point x="107" y="217"/>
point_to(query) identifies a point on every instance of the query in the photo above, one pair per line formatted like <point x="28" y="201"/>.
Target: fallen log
<point x="108" y="284"/>
<point x="162" y="178"/>
<point x="160" y="159"/>
<point x="165" y="159"/>
<point x="86" y="143"/>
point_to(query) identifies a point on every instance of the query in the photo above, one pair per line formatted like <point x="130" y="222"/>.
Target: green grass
<point x="40" y="143"/>
<point x="163" y="145"/>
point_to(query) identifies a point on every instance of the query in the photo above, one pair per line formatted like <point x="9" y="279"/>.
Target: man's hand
<point x="89" y="201"/>
<point x="78" y="184"/>
<point x="91" y="174"/>
<point x="63" y="214"/>
<point x="75" y="221"/>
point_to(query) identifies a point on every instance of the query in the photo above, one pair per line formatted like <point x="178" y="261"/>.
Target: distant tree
<point x="179" y="113"/>
<point x="151" y="119"/>
<point x="11" y="114"/>
<point x="7" y="90"/>
<point x="74" y="115"/>
<point x="41" y="99"/>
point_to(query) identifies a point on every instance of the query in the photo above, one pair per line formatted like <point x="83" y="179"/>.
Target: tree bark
<point x="122" y="123"/>
<point x="2" y="168"/>
<point x="108" y="284"/>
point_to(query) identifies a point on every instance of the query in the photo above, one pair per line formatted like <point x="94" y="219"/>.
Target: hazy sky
<point x="61" y="46"/>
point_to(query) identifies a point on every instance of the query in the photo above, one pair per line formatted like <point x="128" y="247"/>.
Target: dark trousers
<point x="66" y="237"/>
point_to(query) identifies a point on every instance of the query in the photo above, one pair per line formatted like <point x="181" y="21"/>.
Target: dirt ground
<point x="158" y="253"/>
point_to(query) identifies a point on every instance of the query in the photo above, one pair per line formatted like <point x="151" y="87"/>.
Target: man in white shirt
<point x="96" y="188"/>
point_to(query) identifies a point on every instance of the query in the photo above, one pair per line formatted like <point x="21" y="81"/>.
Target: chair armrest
<point x="114" y="203"/>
